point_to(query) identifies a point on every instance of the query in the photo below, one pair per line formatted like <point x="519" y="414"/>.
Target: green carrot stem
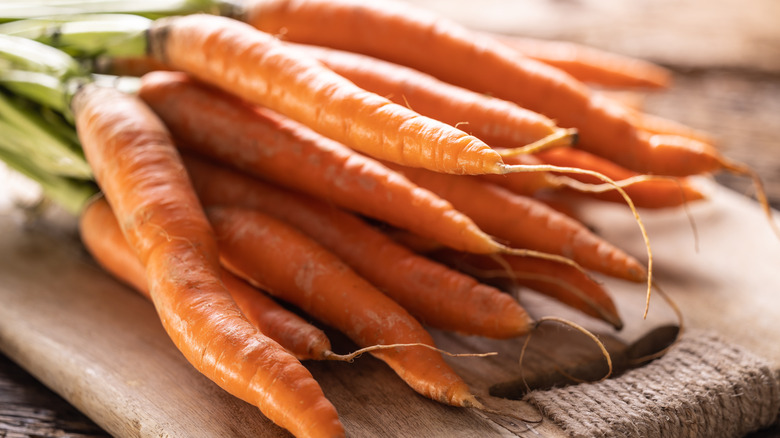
<point x="71" y="194"/>
<point x="11" y="10"/>
<point x="86" y="34"/>
<point x="27" y="132"/>
<point x="18" y="53"/>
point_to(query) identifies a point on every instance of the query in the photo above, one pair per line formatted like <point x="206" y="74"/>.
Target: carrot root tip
<point x="761" y="197"/>
<point x="561" y="137"/>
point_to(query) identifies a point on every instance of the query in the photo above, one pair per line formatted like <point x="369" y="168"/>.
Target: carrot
<point x="103" y="239"/>
<point x="526" y="223"/>
<point x="262" y="70"/>
<point x="127" y="65"/>
<point x="655" y="124"/>
<point x="435" y="295"/>
<point x="413" y="242"/>
<point x="652" y="193"/>
<point x="645" y="191"/>
<point x="280" y="150"/>
<point x="591" y="65"/>
<point x="292" y="332"/>
<point x="497" y="122"/>
<point x="630" y="99"/>
<point x="101" y="235"/>
<point x="137" y="167"/>
<point x="293" y="267"/>
<point x="527" y="183"/>
<point x="562" y="283"/>
<point x="403" y="34"/>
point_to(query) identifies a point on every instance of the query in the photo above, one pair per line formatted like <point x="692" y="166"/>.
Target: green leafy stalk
<point x="60" y="127"/>
<point x="71" y="194"/>
<point x="36" y="85"/>
<point x="86" y="35"/>
<point x="11" y="10"/>
<point x="39" y="72"/>
<point x="26" y="132"/>
<point x="28" y="55"/>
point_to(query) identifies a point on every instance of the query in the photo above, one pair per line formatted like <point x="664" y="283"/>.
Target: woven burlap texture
<point x="703" y="387"/>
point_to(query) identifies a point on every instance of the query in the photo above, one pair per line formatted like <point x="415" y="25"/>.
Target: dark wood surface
<point x="737" y="104"/>
<point x="30" y="409"/>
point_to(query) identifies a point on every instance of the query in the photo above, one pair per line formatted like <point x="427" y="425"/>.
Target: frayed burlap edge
<point x="703" y="387"/>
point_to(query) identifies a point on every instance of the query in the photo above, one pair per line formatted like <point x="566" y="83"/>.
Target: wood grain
<point x="28" y="408"/>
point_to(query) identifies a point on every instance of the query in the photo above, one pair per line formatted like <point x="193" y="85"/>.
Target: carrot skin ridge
<point x="268" y="252"/>
<point x="278" y="149"/>
<point x="435" y="295"/>
<point x="497" y="122"/>
<point x="440" y="47"/>
<point x="296" y="335"/>
<point x="527" y="223"/>
<point x="141" y="174"/>
<point x="107" y="245"/>
<point x="566" y="285"/>
<point x="103" y="239"/>
<point x="255" y="65"/>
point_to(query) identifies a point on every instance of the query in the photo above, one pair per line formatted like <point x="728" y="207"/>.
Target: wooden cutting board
<point x="100" y="346"/>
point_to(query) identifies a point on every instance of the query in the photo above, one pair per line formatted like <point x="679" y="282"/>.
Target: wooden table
<point x="729" y="87"/>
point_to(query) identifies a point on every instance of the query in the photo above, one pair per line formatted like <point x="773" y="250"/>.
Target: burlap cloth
<point x="703" y="387"/>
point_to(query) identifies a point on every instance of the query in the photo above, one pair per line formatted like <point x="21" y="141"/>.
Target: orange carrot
<point x="651" y="193"/>
<point x="527" y="223"/>
<point x="631" y="99"/>
<point x="280" y="150"/>
<point x="259" y="68"/>
<point x="101" y="235"/>
<point x="655" y="124"/>
<point x="400" y="33"/>
<point x="140" y="172"/>
<point x="562" y="283"/>
<point x="591" y="65"/>
<point x="525" y="183"/>
<point x="293" y="267"/>
<point x="127" y="66"/>
<point x="435" y="295"/>
<point x="292" y="332"/>
<point x="497" y="122"/>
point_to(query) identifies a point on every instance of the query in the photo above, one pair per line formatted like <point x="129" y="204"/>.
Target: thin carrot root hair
<point x="681" y="328"/>
<point x="506" y="270"/>
<point x="564" y="181"/>
<point x="550" y="168"/>
<point x="540" y="321"/>
<point x="576" y="327"/>
<point x="522" y="252"/>
<point x="742" y="169"/>
<point x="582" y="187"/>
<point x="350" y="357"/>
<point x="560" y="138"/>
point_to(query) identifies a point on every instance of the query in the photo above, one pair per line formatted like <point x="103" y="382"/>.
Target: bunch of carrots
<point x="359" y="167"/>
